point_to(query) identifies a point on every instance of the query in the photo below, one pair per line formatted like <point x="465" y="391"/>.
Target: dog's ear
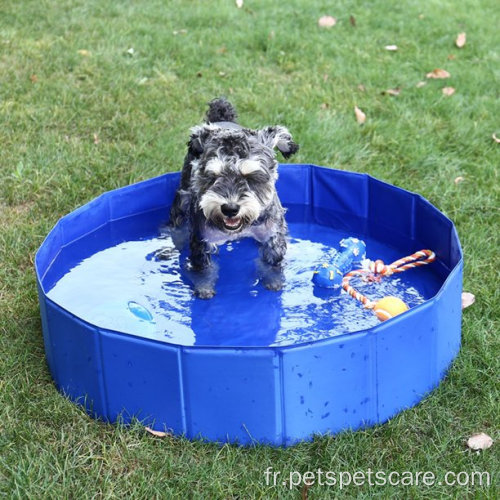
<point x="197" y="141"/>
<point x="278" y="137"/>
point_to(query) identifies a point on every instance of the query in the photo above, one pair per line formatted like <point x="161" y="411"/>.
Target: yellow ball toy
<point x="388" y="307"/>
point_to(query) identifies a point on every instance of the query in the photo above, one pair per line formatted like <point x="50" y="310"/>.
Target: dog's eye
<point x="249" y="167"/>
<point x="214" y="167"/>
<point x="209" y="174"/>
<point x="240" y="151"/>
<point x="257" y="177"/>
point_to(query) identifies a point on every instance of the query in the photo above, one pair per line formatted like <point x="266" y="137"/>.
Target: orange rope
<point x="420" y="258"/>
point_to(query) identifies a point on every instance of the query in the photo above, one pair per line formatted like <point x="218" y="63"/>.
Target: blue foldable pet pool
<point x="126" y="338"/>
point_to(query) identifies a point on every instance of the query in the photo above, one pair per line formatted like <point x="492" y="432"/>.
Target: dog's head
<point x="234" y="171"/>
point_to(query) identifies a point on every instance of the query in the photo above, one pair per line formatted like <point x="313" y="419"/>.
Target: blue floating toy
<point x="352" y="251"/>
<point x="139" y="311"/>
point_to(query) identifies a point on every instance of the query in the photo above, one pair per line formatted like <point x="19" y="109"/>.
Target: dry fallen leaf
<point x="325" y="77"/>
<point x="448" y="91"/>
<point x="361" y="87"/>
<point x="391" y="47"/>
<point x="451" y="57"/>
<point x="420" y="84"/>
<point x="352" y="20"/>
<point x="467" y="299"/>
<point x="84" y="53"/>
<point x="459" y="179"/>
<point x="327" y="22"/>
<point x="157" y="433"/>
<point x="34" y="78"/>
<point x="360" y="116"/>
<point x="96" y="139"/>
<point x="438" y="73"/>
<point x="460" y="41"/>
<point x="324" y="105"/>
<point x="495" y="138"/>
<point x="304" y="495"/>
<point x="392" y="92"/>
<point x="479" y="441"/>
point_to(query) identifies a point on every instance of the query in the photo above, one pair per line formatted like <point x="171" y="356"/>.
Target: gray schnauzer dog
<point x="227" y="191"/>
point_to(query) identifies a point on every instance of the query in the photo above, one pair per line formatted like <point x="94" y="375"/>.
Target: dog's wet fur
<point x="227" y="191"/>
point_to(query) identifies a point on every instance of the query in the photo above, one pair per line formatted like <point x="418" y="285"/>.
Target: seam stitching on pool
<point x="375" y="344"/>
<point x="102" y="377"/>
<point x="282" y="397"/>
<point x="180" y="361"/>
<point x="311" y="190"/>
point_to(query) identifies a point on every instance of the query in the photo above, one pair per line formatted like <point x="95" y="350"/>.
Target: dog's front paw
<point x="274" y="286"/>
<point x="273" y="280"/>
<point x="165" y="253"/>
<point x="204" y="293"/>
<point x="271" y="277"/>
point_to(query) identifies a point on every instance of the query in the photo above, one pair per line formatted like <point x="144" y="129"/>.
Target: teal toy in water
<point x="139" y="311"/>
<point x="352" y="251"/>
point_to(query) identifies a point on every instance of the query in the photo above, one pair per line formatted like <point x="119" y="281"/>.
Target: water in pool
<point x="124" y="288"/>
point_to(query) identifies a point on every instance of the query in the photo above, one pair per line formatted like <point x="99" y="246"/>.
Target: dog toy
<point x="352" y="252"/>
<point x="389" y="306"/>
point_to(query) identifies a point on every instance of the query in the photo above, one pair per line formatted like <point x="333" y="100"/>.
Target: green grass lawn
<point x="97" y="94"/>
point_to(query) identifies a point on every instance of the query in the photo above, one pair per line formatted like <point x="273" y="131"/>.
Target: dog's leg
<point x="204" y="272"/>
<point x="273" y="251"/>
<point x="178" y="211"/>
<point x="177" y="228"/>
<point x="179" y="215"/>
<point x="181" y="206"/>
<point x="200" y="253"/>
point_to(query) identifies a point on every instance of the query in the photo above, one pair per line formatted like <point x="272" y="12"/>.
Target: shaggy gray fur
<point x="227" y="191"/>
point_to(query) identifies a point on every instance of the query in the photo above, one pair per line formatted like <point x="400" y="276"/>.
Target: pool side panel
<point x="233" y="395"/>
<point x="294" y="184"/>
<point x="76" y="359"/>
<point x="46" y="330"/>
<point x="344" y="192"/>
<point x="339" y="199"/>
<point x="407" y="359"/>
<point x="449" y="320"/>
<point x="390" y="210"/>
<point x="435" y="229"/>
<point x="47" y="253"/>
<point x="143" y="381"/>
<point x="135" y="226"/>
<point x="329" y="386"/>
<point x="85" y="219"/>
<point x="141" y="197"/>
<point x="76" y="250"/>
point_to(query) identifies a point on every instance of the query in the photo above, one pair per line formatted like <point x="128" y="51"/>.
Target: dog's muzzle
<point x="230" y="219"/>
<point x="232" y="223"/>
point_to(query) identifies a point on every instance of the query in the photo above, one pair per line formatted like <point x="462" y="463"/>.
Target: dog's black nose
<point x="230" y="209"/>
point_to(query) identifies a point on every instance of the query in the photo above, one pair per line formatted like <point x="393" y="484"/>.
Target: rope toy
<point x="389" y="306"/>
